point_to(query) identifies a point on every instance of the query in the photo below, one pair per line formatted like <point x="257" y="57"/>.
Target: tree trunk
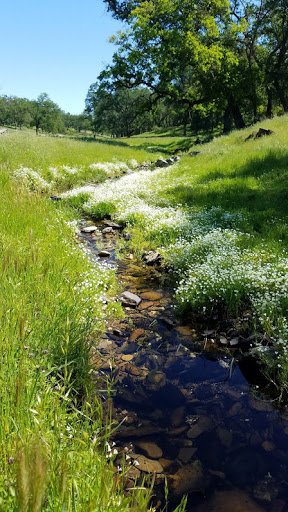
<point x="227" y="120"/>
<point x="282" y="96"/>
<point x="237" y="116"/>
<point x="269" y="103"/>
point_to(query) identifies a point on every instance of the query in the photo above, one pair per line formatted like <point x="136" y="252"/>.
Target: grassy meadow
<point x="53" y="164"/>
<point x="220" y="222"/>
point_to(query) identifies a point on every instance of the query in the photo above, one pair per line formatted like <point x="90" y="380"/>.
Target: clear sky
<point x="58" y="47"/>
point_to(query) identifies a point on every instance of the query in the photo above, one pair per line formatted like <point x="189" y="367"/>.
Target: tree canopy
<point x="229" y="54"/>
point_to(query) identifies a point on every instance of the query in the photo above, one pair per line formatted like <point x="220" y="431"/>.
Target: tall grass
<point x="55" y="164"/>
<point x="52" y="432"/>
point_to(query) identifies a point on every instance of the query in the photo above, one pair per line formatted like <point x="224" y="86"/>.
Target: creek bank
<point x="183" y="408"/>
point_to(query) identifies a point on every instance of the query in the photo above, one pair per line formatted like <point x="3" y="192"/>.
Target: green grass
<point x="29" y="150"/>
<point x="56" y="164"/>
<point x="53" y="453"/>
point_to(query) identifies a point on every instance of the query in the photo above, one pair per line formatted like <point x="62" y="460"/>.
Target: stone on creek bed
<point x="186" y="453"/>
<point x="108" y="230"/>
<point x="227" y="501"/>
<point x="104" y="254"/>
<point x="112" y="225"/>
<point x="129" y="299"/>
<point x="168" y="396"/>
<point x="188" y="479"/>
<point x="152" y="258"/>
<point x="146" y="465"/>
<point x="161" y="163"/>
<point x="89" y="229"/>
<point x="203" y="424"/>
<point x="151" y="296"/>
<point x="136" y="334"/>
<point x="146" y="305"/>
<point x="150" y="448"/>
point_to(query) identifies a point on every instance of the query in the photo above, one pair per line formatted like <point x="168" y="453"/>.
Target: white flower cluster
<point x="215" y="261"/>
<point x="64" y="170"/>
<point x="31" y="179"/>
<point x="111" y="168"/>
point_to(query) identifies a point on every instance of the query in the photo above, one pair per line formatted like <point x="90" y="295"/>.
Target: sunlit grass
<point x="52" y="430"/>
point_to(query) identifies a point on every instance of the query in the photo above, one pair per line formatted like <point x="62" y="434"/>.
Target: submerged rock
<point x="168" y="396"/>
<point x="167" y="321"/>
<point x="203" y="424"/>
<point x="177" y="416"/>
<point x="185" y="330"/>
<point x="156" y="377"/>
<point x="146" y="465"/>
<point x="227" y="501"/>
<point x="151" y="296"/>
<point x="188" y="479"/>
<point x="186" y="453"/>
<point x="150" y="448"/>
<point x="136" y="334"/>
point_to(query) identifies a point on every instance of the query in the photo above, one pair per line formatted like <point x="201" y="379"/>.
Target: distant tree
<point x="19" y="111"/>
<point x="76" y="122"/>
<point x="121" y="112"/>
<point x="46" y="114"/>
<point x="4" y="110"/>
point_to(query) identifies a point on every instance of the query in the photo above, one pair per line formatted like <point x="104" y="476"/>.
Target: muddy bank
<point x="185" y="409"/>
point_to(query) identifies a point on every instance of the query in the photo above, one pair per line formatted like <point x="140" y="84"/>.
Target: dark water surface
<point x="185" y="407"/>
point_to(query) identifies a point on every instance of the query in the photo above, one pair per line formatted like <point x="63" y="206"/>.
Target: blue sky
<point x="58" y="47"/>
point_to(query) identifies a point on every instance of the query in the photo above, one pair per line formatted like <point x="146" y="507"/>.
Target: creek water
<point x="185" y="410"/>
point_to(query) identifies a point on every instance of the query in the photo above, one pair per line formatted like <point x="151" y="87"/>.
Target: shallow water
<point x="185" y="403"/>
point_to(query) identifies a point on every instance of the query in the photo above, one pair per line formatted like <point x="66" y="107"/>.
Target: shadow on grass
<point x="149" y="146"/>
<point x="261" y="200"/>
<point x="274" y="162"/>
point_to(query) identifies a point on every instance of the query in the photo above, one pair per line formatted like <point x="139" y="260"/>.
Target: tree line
<point x="206" y="64"/>
<point x="43" y="114"/>
<point x="208" y="61"/>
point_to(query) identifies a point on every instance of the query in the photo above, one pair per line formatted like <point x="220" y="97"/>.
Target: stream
<point x="184" y="408"/>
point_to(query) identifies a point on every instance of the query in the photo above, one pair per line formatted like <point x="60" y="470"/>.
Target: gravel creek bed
<point x="184" y="408"/>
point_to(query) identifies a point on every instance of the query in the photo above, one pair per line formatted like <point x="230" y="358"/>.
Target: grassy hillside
<point x="52" y="164"/>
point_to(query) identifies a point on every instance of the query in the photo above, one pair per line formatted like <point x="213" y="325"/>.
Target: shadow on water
<point x="184" y="408"/>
